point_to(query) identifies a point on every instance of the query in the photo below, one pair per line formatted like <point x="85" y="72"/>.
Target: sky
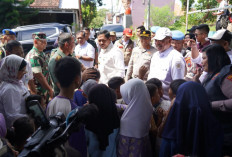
<point x="108" y="3"/>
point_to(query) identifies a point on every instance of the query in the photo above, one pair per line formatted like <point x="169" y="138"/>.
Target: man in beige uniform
<point x="139" y="64"/>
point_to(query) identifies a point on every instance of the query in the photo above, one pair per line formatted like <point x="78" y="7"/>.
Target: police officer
<point x="39" y="64"/>
<point x="167" y="64"/>
<point x="126" y="45"/>
<point x="141" y="58"/>
<point x="66" y="43"/>
<point x="178" y="41"/>
<point x="7" y="35"/>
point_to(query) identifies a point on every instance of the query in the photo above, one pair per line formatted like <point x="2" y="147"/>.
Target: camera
<point x="53" y="133"/>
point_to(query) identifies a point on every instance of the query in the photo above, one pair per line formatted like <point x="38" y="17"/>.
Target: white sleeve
<point x="178" y="68"/>
<point x="29" y="71"/>
<point x="119" y="63"/>
<point x="91" y="51"/>
<point x="198" y="59"/>
<point x="12" y="105"/>
<point x="76" y="50"/>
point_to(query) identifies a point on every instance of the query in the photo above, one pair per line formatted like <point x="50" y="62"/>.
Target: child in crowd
<point x="135" y="121"/>
<point x="68" y="74"/>
<point x="22" y="129"/>
<point x="155" y="99"/>
<point x="80" y="97"/>
<point x="115" y="83"/>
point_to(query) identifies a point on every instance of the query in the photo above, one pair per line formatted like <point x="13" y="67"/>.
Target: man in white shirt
<point x="167" y="64"/>
<point x="220" y="12"/>
<point x="84" y="51"/>
<point x="110" y="60"/>
<point x="92" y="33"/>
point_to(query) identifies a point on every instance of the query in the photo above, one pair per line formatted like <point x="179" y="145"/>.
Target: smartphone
<point x="36" y="112"/>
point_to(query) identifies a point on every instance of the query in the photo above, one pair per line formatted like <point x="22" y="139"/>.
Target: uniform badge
<point x="229" y="77"/>
<point x="58" y="58"/>
<point x="178" y="65"/>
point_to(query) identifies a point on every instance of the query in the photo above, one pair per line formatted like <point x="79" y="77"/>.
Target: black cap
<point x="192" y="29"/>
<point x="145" y="33"/>
<point x="203" y="26"/>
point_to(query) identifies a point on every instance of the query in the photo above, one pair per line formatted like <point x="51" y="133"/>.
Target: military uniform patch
<point x="58" y="57"/>
<point x="229" y="77"/>
<point x="178" y="65"/>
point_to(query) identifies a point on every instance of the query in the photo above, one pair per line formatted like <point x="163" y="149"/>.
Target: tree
<point x="14" y="12"/>
<point x="184" y="4"/>
<point x="89" y="10"/>
<point x="161" y="16"/>
<point x="98" y="21"/>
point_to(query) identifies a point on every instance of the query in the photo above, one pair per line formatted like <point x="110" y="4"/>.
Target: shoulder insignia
<point x="58" y="57"/>
<point x="229" y="77"/>
<point x="188" y="61"/>
<point x="0" y="52"/>
<point x="215" y="76"/>
<point x="178" y="65"/>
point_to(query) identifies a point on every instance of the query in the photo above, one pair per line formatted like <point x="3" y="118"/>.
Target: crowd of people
<point x="164" y="94"/>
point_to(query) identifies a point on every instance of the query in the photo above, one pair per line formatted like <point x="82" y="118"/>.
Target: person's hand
<point x="78" y="56"/>
<point x="142" y="71"/>
<point x="89" y="73"/>
<point x="191" y="43"/>
<point x="160" y="112"/>
<point x="50" y="92"/>
<point x="197" y="75"/>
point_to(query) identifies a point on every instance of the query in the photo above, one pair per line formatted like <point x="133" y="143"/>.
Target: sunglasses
<point x="39" y="36"/>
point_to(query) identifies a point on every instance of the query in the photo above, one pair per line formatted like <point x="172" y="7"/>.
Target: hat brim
<point x="129" y="35"/>
<point x="159" y="37"/>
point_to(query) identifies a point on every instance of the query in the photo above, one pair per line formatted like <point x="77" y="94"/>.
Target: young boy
<point x="68" y="74"/>
<point x="115" y="83"/>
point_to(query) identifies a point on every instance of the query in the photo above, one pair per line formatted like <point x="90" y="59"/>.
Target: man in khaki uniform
<point x="39" y="63"/>
<point x="66" y="46"/>
<point x="126" y="45"/>
<point x="138" y="31"/>
<point x="139" y="64"/>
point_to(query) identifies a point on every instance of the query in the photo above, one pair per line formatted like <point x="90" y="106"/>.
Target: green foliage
<point x="184" y="4"/>
<point x="98" y="21"/>
<point x="14" y="12"/>
<point x="89" y="10"/>
<point x="161" y="16"/>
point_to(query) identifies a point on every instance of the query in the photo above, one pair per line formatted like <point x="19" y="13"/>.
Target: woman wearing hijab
<point x="12" y="91"/>
<point x="135" y="121"/>
<point x="190" y="128"/>
<point x="102" y="131"/>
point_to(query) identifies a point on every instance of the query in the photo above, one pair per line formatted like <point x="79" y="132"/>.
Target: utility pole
<point x="80" y="15"/>
<point x="187" y="11"/>
<point x="148" y="13"/>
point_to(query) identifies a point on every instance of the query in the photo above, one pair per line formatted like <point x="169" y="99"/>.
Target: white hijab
<point x="9" y="68"/>
<point x="135" y="121"/>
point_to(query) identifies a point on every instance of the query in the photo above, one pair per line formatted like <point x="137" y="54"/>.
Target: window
<point x="49" y="31"/>
<point x="27" y="34"/>
<point x="116" y="28"/>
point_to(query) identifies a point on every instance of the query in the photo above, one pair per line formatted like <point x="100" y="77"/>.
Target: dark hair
<point x="142" y="28"/>
<point x="176" y="84"/>
<point x="151" y="89"/>
<point x="66" y="69"/>
<point x="155" y="81"/>
<point x="79" y="32"/>
<point x="22" y="65"/>
<point x="12" y="44"/>
<point x="86" y="29"/>
<point x="105" y="32"/>
<point x="96" y="73"/>
<point x="203" y="28"/>
<point x="63" y="38"/>
<point x="227" y="36"/>
<point x="22" y="129"/>
<point x="115" y="82"/>
<point x="191" y="35"/>
<point x="217" y="57"/>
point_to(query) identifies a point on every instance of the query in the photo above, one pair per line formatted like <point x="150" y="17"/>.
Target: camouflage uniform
<point x="39" y="63"/>
<point x="57" y="55"/>
<point x="2" y="51"/>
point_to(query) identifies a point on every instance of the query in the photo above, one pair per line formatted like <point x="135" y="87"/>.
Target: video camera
<point x="56" y="131"/>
